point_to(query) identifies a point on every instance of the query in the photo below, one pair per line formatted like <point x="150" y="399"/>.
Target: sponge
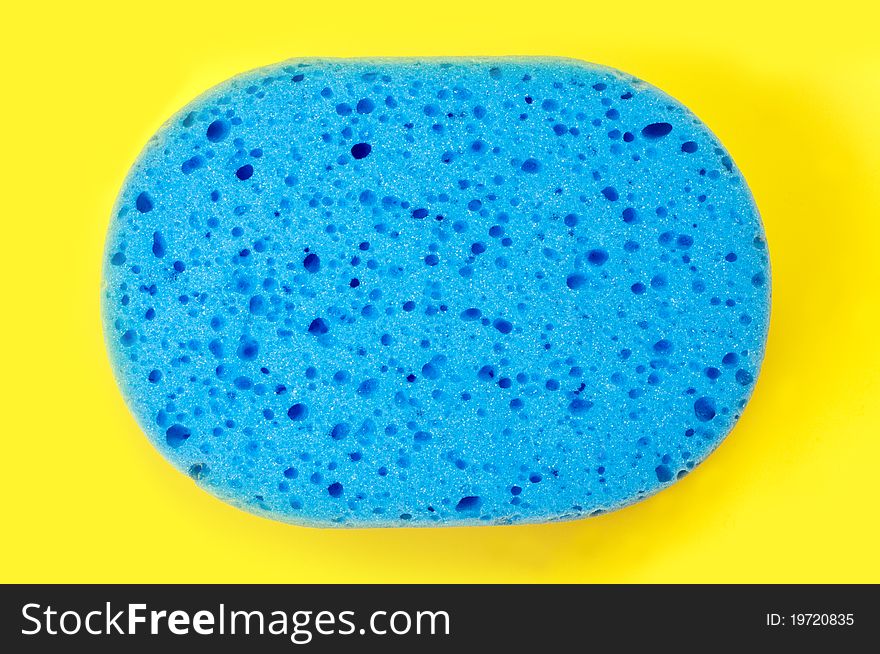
<point x="381" y="292"/>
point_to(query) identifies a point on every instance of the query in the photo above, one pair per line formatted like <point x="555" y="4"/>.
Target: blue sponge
<point x="435" y="292"/>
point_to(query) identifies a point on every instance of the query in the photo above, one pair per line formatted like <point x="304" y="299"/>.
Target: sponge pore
<point x="435" y="292"/>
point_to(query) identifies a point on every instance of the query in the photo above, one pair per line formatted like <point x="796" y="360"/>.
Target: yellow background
<point x="793" y="91"/>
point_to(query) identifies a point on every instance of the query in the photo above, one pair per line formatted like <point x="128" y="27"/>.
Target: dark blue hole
<point x="530" y="166"/>
<point x="143" y="202"/>
<point x="159" y="245"/>
<point x="597" y="257"/>
<point x="503" y="326"/>
<point x="312" y="262"/>
<point x="656" y="130"/>
<point x="610" y="193"/>
<point x="217" y="131"/>
<point x="579" y="406"/>
<point x="575" y="281"/>
<point x="335" y="489"/>
<point x="704" y="409"/>
<point x="318" y="326"/>
<point x="361" y="150"/>
<point x="422" y="436"/>
<point x="486" y="373"/>
<point x="245" y="172"/>
<point x="176" y="435"/>
<point x="664" y="474"/>
<point x="663" y="346"/>
<point x="248" y="348"/>
<point x="469" y="503"/>
<point x="298" y="411"/>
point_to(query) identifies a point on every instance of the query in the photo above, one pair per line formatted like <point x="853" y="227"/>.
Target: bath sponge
<point x="435" y="292"/>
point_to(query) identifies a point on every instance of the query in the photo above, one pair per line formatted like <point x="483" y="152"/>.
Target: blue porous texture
<point x="435" y="292"/>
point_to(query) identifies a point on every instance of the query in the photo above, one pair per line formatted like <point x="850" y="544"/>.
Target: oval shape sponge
<point x="435" y="292"/>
